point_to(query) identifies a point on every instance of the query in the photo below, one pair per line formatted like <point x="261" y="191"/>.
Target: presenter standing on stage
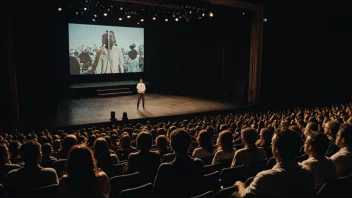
<point x="141" y="91"/>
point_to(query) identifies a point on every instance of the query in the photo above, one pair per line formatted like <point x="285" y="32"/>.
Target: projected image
<point x="98" y="49"/>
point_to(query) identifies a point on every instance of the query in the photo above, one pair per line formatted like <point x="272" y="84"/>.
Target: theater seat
<point x="209" y="194"/>
<point x="145" y="190"/>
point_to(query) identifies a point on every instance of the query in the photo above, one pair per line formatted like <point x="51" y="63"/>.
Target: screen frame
<point x="105" y="77"/>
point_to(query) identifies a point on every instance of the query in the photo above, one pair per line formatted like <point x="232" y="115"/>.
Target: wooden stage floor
<point x="97" y="110"/>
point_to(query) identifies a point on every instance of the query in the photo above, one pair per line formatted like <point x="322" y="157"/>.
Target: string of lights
<point x="139" y="13"/>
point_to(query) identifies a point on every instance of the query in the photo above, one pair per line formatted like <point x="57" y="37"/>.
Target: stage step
<point x="112" y="89"/>
<point x="111" y="92"/>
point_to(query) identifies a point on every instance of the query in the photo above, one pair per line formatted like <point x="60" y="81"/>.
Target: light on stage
<point x="112" y="116"/>
<point x="124" y="116"/>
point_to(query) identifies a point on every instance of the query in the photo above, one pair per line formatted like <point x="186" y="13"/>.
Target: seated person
<point x="206" y="147"/>
<point x="225" y="148"/>
<point x="32" y="175"/>
<point x="144" y="161"/>
<point x="183" y="176"/>
<point x="343" y="158"/>
<point x="250" y="153"/>
<point x="322" y="168"/>
<point x="286" y="178"/>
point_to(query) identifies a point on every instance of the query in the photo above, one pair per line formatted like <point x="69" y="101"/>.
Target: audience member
<point x="250" y="153"/>
<point x="183" y="176"/>
<point x="32" y="176"/>
<point x="286" y="178"/>
<point x="343" y="158"/>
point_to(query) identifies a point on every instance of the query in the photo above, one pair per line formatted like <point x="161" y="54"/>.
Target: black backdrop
<point x="195" y="58"/>
<point x="305" y="57"/>
<point x="203" y="57"/>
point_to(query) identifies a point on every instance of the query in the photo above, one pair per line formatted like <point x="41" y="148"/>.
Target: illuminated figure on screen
<point x="109" y="58"/>
<point x="133" y="65"/>
<point x="141" y="61"/>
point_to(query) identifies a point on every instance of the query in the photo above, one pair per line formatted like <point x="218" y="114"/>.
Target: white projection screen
<point x="100" y="49"/>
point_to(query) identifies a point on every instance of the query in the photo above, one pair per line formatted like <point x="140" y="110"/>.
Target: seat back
<point x="208" y="194"/>
<point x="59" y="166"/>
<point x="226" y="192"/>
<point x="229" y="176"/>
<point x="254" y="168"/>
<point x="117" y="170"/>
<point x="224" y="163"/>
<point x="337" y="188"/>
<point x="168" y="158"/>
<point x="211" y="181"/>
<point x="122" y="182"/>
<point x="271" y="163"/>
<point x="145" y="190"/>
<point x="2" y="192"/>
<point x="207" y="160"/>
<point x="45" y="192"/>
<point x="302" y="158"/>
<point x="210" y="168"/>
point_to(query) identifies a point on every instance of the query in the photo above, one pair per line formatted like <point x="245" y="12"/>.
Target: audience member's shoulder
<point x="102" y="174"/>
<point x="240" y="150"/>
<point x="15" y="171"/>
<point x="198" y="161"/>
<point x="306" y="165"/>
<point x="13" y="166"/>
<point x="266" y="173"/>
<point x="133" y="154"/>
<point x="197" y="149"/>
<point x="308" y="162"/>
<point x="329" y="161"/>
<point x="164" y="166"/>
<point x="260" y="148"/>
<point x="65" y="176"/>
<point x="49" y="170"/>
<point x="155" y="153"/>
<point x="170" y="154"/>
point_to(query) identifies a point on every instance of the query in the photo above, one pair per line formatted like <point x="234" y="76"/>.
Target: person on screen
<point x="86" y="61"/>
<point x="141" y="91"/>
<point x="134" y="62"/>
<point x="75" y="68"/>
<point x="141" y="61"/>
<point x="109" y="58"/>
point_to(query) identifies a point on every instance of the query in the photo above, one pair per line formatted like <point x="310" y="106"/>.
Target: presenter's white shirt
<point x="111" y="61"/>
<point x="141" y="87"/>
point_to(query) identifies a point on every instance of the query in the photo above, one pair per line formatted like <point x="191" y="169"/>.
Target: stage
<point x="81" y="111"/>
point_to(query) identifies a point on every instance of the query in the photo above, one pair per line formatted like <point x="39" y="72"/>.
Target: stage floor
<point x="105" y="84"/>
<point x="97" y="110"/>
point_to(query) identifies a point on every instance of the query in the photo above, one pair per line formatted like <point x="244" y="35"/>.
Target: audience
<point x="5" y="164"/>
<point x="343" y="158"/>
<point x="206" y="148"/>
<point x="183" y="176"/>
<point x="330" y="129"/>
<point x="286" y="178"/>
<point x="162" y="144"/>
<point x="83" y="178"/>
<point x="47" y="159"/>
<point x="144" y="161"/>
<point x="225" y="148"/>
<point x="69" y="142"/>
<point x="125" y="147"/>
<point x="265" y="140"/>
<point x="250" y="153"/>
<point x="322" y="168"/>
<point x="105" y="159"/>
<point x="88" y="157"/>
<point x="23" y="180"/>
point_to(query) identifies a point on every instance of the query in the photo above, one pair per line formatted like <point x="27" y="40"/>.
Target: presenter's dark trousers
<point x="140" y="95"/>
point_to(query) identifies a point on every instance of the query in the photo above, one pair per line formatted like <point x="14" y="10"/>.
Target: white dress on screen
<point x="110" y="61"/>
